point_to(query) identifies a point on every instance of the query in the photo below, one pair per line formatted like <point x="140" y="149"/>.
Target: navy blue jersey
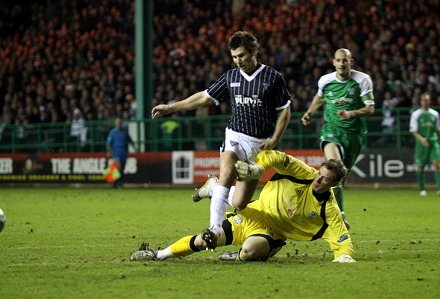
<point x="255" y="100"/>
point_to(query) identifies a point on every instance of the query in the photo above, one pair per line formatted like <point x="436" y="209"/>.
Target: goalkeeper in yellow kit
<point x="297" y="203"/>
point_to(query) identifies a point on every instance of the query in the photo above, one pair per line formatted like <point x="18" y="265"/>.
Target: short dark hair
<point x="243" y="39"/>
<point x="338" y="167"/>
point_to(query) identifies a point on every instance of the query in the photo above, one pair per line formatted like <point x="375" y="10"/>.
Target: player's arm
<point x="280" y="128"/>
<point x="109" y="151"/>
<point x="317" y="102"/>
<point x="422" y="139"/>
<point x="108" y="145"/>
<point x="414" y="128"/>
<point x="363" y="112"/>
<point x="281" y="162"/>
<point x="367" y="97"/>
<point x="337" y="236"/>
<point x="340" y="243"/>
<point x="194" y="101"/>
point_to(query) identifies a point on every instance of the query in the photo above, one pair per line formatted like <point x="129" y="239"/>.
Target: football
<point x="2" y="220"/>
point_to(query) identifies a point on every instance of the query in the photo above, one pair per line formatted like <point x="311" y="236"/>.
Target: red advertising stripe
<point x="208" y="162"/>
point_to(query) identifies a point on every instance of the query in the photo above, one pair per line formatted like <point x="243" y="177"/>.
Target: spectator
<point x="78" y="131"/>
<point x="388" y="121"/>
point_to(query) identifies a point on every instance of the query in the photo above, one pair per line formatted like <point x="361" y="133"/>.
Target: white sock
<point x="211" y="189"/>
<point x="164" y="253"/>
<point x="231" y="194"/>
<point x="219" y="205"/>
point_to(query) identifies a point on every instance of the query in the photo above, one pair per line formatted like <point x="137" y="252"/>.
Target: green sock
<point x="339" y="194"/>
<point x="437" y="179"/>
<point x="421" y="180"/>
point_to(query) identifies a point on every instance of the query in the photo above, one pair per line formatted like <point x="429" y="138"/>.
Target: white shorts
<point x="244" y="146"/>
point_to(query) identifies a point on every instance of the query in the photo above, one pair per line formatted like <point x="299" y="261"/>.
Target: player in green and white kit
<point x="348" y="96"/>
<point x="425" y="127"/>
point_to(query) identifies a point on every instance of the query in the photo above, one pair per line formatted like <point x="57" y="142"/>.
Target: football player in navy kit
<point x="260" y="113"/>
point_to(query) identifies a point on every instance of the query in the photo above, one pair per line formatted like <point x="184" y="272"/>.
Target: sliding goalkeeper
<point x="297" y="203"/>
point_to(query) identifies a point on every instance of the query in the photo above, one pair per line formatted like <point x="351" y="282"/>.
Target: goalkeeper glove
<point x="247" y="172"/>
<point x="344" y="258"/>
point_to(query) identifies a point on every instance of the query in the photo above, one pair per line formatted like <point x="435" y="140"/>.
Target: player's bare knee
<point x="246" y="255"/>
<point x="240" y="206"/>
<point x="252" y="254"/>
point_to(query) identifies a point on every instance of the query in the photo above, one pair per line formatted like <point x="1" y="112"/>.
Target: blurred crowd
<point x="396" y="42"/>
<point x="62" y="60"/>
<point x="66" y="59"/>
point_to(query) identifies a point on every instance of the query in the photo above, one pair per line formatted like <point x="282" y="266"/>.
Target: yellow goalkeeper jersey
<point x="293" y="210"/>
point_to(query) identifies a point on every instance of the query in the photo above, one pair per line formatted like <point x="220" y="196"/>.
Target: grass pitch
<point x="75" y="243"/>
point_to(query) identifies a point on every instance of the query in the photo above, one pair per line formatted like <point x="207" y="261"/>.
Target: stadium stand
<point x="58" y="56"/>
